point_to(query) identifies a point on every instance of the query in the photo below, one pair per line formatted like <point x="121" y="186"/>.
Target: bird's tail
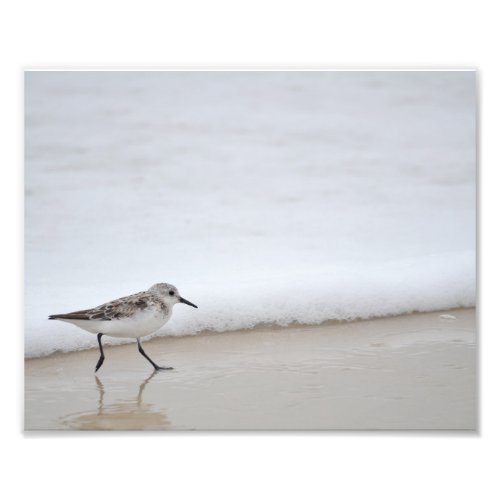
<point x="56" y="316"/>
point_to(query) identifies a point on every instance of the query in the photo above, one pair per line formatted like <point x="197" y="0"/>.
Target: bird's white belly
<point x="139" y="325"/>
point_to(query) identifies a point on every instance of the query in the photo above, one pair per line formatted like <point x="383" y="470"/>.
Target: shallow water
<point x="409" y="372"/>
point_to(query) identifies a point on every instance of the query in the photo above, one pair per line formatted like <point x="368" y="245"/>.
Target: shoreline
<point x="261" y="327"/>
<point x="415" y="371"/>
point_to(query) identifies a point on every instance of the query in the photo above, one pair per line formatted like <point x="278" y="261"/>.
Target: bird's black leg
<point x="101" y="359"/>
<point x="156" y="367"/>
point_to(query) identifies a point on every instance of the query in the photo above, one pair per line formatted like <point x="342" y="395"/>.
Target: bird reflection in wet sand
<point x="126" y="415"/>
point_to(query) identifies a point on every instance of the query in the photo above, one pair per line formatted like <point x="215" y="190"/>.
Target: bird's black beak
<point x="184" y="301"/>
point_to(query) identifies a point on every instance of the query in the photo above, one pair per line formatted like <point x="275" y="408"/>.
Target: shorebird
<point x="133" y="316"/>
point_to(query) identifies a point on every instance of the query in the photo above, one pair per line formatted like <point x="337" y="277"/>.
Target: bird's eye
<point x="171" y="292"/>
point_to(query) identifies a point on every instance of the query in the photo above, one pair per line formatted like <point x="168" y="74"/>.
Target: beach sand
<point x="415" y="371"/>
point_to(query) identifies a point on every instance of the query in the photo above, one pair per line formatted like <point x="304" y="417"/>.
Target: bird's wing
<point x="116" y="309"/>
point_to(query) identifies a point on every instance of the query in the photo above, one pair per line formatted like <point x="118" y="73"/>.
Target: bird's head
<point x="169" y="294"/>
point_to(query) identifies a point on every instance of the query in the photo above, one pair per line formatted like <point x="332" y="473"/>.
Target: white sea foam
<point x="265" y="197"/>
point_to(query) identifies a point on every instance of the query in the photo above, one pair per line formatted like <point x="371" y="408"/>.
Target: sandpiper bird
<point x="133" y="316"/>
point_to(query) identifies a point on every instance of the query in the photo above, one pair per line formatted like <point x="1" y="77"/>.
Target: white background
<point x="270" y="34"/>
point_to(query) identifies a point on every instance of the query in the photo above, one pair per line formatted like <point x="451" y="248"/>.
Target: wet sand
<point x="415" y="371"/>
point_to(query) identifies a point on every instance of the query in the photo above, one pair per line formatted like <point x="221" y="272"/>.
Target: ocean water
<point x="265" y="197"/>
